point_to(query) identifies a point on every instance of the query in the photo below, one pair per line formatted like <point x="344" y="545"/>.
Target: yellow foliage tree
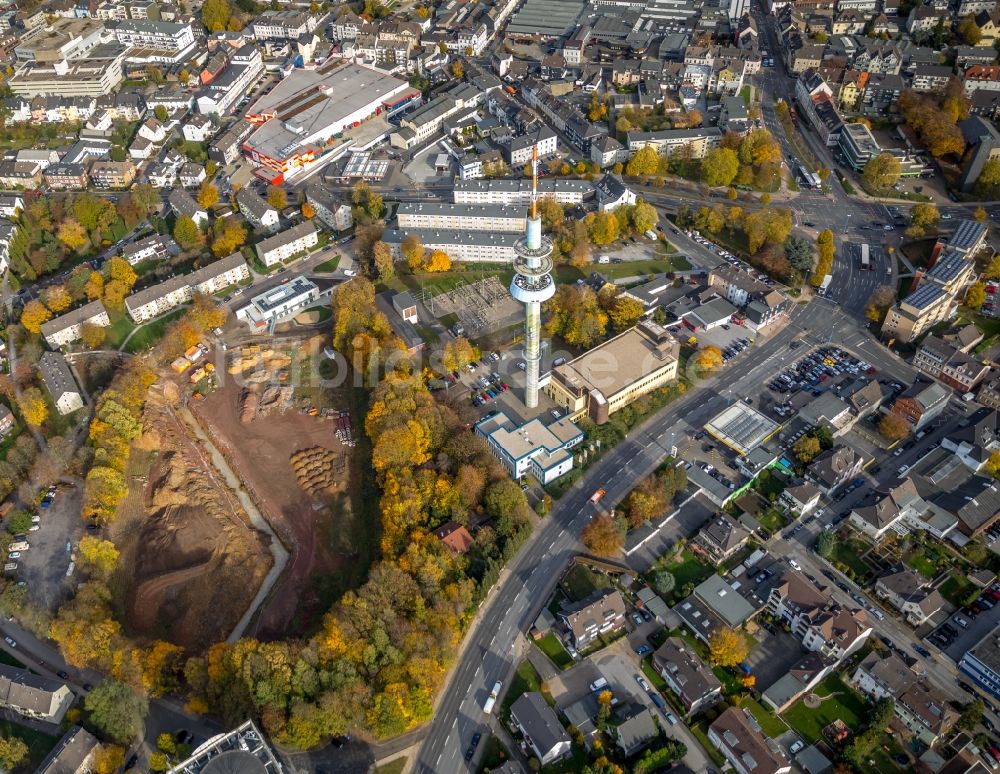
<point x="57" y="298"/>
<point x="208" y="195"/>
<point x="437" y="261"/>
<point x="602" y="537"/>
<point x="457" y="353"/>
<point x="727" y="646"/>
<point x="33" y="315"/>
<point x="277" y="197"/>
<point x="308" y="211"/>
<point x="94" y="288"/>
<point x="114" y="294"/>
<point x="97" y="557"/>
<point x="72" y="234"/>
<point x="119" y="270"/>
<point x="108" y="759"/>
<point x="93" y="336"/>
<point x="708" y="358"/>
<point x="33" y="407"/>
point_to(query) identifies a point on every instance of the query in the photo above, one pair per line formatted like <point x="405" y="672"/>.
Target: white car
<point x="350" y="273"/>
<point x="794" y="565"/>
<point x="798" y="745"/>
<point x="10" y="642"/>
<point x="14" y="555"/>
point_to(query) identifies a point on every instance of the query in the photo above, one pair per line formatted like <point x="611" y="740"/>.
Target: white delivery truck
<point x="492" y="699"/>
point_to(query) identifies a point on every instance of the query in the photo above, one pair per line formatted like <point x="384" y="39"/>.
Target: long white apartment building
<point x="471" y="246"/>
<point x="518" y="192"/>
<point x="244" y="68"/>
<point x="158" y="299"/>
<point x="285" y="244"/>
<point x="461" y="217"/>
<point x="91" y="77"/>
<point x="164" y="36"/>
<point x="283" y="25"/>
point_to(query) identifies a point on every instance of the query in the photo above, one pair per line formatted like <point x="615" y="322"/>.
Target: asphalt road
<point x="489" y="654"/>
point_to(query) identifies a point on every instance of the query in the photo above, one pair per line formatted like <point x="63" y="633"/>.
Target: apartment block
<point x="159" y="299"/>
<point x="67" y="328"/>
<point x="283" y="246"/>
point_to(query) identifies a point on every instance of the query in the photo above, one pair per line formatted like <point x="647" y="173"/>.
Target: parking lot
<point x="776" y="653"/>
<point x="731" y="259"/>
<point x="966" y="627"/>
<point x="43" y="566"/>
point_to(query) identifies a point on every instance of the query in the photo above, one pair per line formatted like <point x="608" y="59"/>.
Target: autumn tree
<point x="72" y="234"/>
<point x="93" y="336"/>
<point x="644" y="217"/>
<point x="119" y="270"/>
<point x="33" y="406"/>
<point x="624" y="312"/>
<point x="458" y="68"/>
<point x="647" y="500"/>
<point x="108" y="759"/>
<point x="13" y="752"/>
<point x="806" y="449"/>
<point x="575" y="314"/>
<point x="975" y="296"/>
<point x="924" y="218"/>
<point x="605" y="228"/>
<point x="57" y="298"/>
<point x="384" y="266"/>
<point x="208" y="195"/>
<point x="413" y="251"/>
<point x="34" y="315"/>
<point x="707" y="359"/>
<point x="882" y="171"/>
<point x="216" y="14"/>
<point x="186" y="232"/>
<point x="98" y="558"/>
<point x="602" y="536"/>
<point x="879" y="302"/>
<point x="988" y="182"/>
<point x="893" y="427"/>
<point x="230" y="236"/>
<point x="645" y="161"/>
<point x="969" y="31"/>
<point x="277" y="197"/>
<point x="727" y="647"/>
<point x="437" y="261"/>
<point x="457" y="353"/>
<point x="116" y="710"/>
<point x="720" y="166"/>
<point x="94" y="287"/>
<point x="825" y="249"/>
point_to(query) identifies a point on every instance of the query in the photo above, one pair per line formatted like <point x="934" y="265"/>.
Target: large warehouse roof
<point x="547" y="18"/>
<point x="741" y="428"/>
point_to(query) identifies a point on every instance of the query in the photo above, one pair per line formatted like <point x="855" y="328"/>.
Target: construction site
<point x="291" y="444"/>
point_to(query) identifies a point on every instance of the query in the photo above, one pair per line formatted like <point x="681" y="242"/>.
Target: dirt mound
<point x="318" y="470"/>
<point x="198" y="561"/>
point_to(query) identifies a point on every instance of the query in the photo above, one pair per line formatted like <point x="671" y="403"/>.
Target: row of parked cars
<point x="731" y="259"/>
<point x="816" y="367"/>
<point x="734" y="349"/>
<point x="947" y="632"/>
<point x="491" y="385"/>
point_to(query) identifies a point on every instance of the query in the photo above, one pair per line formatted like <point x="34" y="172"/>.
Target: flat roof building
<point x="461" y="217"/>
<point x="279" y="303"/>
<point x="472" y="246"/>
<point x="613" y="374"/>
<point x="543" y="451"/>
<point x="741" y="427"/>
<point x="244" y="750"/>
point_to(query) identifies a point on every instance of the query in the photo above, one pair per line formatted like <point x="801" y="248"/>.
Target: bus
<point x="866" y="261"/>
<point x="826" y="284"/>
<point x="809" y="179"/>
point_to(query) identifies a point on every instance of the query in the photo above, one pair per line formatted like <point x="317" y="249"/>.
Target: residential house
<point x="720" y="538"/>
<point x="33" y="696"/>
<point x="59" y="381"/>
<point x="835" y="467"/>
<point x="601" y="612"/>
<point x="330" y="208"/>
<point x="906" y="591"/>
<point x="821" y="623"/>
<point x="632" y="727"/>
<point x="75" y="753"/>
<point x="455" y="537"/>
<point x="154" y="248"/>
<point x="256" y="210"/>
<point x="988" y="23"/>
<point x="801" y="498"/>
<point x="737" y="735"/>
<point x="612" y="193"/>
<point x="191" y="175"/>
<point x="687" y="675"/>
<point x="112" y="174"/>
<point x="925" y="713"/>
<point x="288" y="243"/>
<point x="921" y="403"/>
<point x="886" y="673"/>
<point x="198" y="128"/>
<point x="7" y="421"/>
<point x="67" y="328"/>
<point x="541" y="728"/>
<point x="182" y="204"/>
<point x="66" y="177"/>
<point x="716" y="603"/>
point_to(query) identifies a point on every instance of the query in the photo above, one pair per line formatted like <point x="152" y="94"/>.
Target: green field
<point x="39" y="744"/>
<point x="551" y="647"/>
<point x="152" y="332"/>
<point x="120" y="327"/>
<point x="330" y="265"/>
<point x="843" y="703"/>
<point x="580" y="582"/>
<point x="848" y="552"/>
<point x="770" y="723"/>
<point x="526" y="679"/>
<point x="393" y="767"/>
<point x="957" y="589"/>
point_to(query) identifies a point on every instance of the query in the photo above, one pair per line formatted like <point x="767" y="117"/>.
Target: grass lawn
<point x="772" y="520"/>
<point x="700" y="732"/>
<point x="120" y="327"/>
<point x="844" y="704"/>
<point x="690" y="569"/>
<point x="731" y="683"/>
<point x="330" y="265"/>
<point x="957" y="589"/>
<point x="447" y="280"/>
<point x="153" y="331"/>
<point x="324" y="312"/>
<point x="578" y="758"/>
<point x="922" y="564"/>
<point x="526" y="679"/>
<point x="551" y="647"/>
<point x="883" y="757"/>
<point x="848" y="552"/>
<point x="39" y="744"/>
<point x="9" y="660"/>
<point x="579" y="582"/>
<point x="771" y="724"/>
<point x="393" y="767"/>
<point x="654" y="677"/>
<point x="569" y="274"/>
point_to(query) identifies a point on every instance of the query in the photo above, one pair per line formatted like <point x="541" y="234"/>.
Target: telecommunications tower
<point x="533" y="284"/>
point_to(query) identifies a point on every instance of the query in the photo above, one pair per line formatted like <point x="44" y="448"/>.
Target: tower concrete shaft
<point x="532" y="285"/>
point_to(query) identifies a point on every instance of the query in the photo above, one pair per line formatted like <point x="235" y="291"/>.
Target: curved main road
<point x="518" y="597"/>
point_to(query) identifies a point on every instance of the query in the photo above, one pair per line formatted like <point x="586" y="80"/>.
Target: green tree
<point x="161" y="113"/>
<point x="664" y="582"/>
<point x="971" y="716"/>
<point x="186" y="232"/>
<point x="969" y="31"/>
<point x="18" y="522"/>
<point x="720" y="166"/>
<point x="924" y="218"/>
<point x="825" y="543"/>
<point x="799" y="252"/>
<point x="988" y="182"/>
<point x="882" y="171"/>
<point x="216" y="14"/>
<point x="117" y="710"/>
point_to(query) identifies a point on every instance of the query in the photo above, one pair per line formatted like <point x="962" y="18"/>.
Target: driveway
<point x="43" y="567"/>
<point x="774" y="655"/>
<point x="620" y="667"/>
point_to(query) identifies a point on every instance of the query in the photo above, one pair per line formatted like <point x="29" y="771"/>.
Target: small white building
<point x="543" y="451"/>
<point x="256" y="210"/>
<point x="283" y="301"/>
<point x="198" y="128"/>
<point x="60" y="383"/>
